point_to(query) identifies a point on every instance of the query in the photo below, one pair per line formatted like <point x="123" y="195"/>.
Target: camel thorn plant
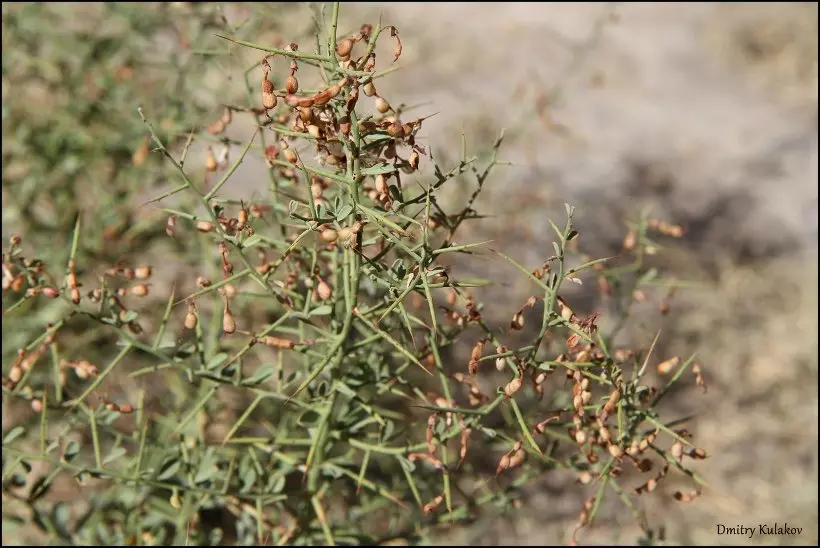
<point x="325" y="314"/>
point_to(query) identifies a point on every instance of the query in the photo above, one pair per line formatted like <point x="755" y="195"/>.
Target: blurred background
<point x="705" y="112"/>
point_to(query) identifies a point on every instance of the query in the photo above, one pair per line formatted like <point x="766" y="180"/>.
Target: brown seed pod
<point x="306" y="102"/>
<point x="268" y="97"/>
<point x="513" y="386"/>
<point x="204" y="226"/>
<point x="344" y="48"/>
<point x="228" y="321"/>
<point x="50" y="293"/>
<point x="323" y="290"/>
<point x="75" y="295"/>
<point x="677" y="451"/>
<point x="433" y="504"/>
<point x="290" y="156"/>
<point x="382" y="105"/>
<point x="345" y="234"/>
<point x="630" y="240"/>
<point x="142" y="272"/>
<point x="170" y="225"/>
<point x="344" y="125"/>
<point x="227" y="116"/>
<point x="141" y="154"/>
<point x="277" y="342"/>
<point x="369" y="89"/>
<point x="140" y="290"/>
<point x="665" y="367"/>
<point x="314" y="131"/>
<point x="517" y="321"/>
<point x="413" y="160"/>
<point x="615" y="450"/>
<point x="210" y="160"/>
<point x="291" y="85"/>
<point x="216" y="128"/>
<point x="329" y="235"/>
<point x="334" y="90"/>
<point x="381" y="184"/>
<point x="395" y="130"/>
<point x="190" y="320"/>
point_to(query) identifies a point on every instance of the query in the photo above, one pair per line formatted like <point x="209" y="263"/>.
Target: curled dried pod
<point x="382" y="105"/>
<point x="291" y="84"/>
<point x="390" y="150"/>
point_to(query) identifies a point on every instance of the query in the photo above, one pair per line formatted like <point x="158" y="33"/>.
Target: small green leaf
<point x="309" y="418"/>
<point x="40" y="488"/>
<point x="207" y="467"/>
<point x="379" y="169"/>
<point x="129" y="317"/>
<point x="114" y="455"/>
<point x="323" y="310"/>
<point x="262" y="374"/>
<point x="216" y="361"/>
<point x="344" y="211"/>
<point x="252" y="241"/>
<point x="169" y="469"/>
<point x="13" y="434"/>
<point x="59" y="518"/>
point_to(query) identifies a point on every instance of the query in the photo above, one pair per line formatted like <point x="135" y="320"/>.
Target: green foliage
<point x="303" y="383"/>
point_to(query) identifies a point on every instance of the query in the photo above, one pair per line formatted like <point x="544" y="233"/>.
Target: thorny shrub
<point x="327" y="311"/>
